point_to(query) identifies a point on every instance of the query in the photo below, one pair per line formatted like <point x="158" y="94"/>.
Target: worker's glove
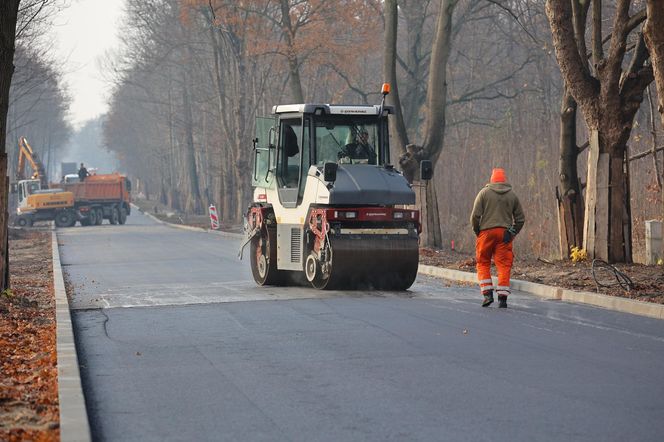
<point x="509" y="235"/>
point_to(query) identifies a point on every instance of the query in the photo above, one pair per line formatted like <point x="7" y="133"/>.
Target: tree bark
<point x="653" y="31"/>
<point x="240" y="183"/>
<point x="653" y="134"/>
<point x="581" y="85"/>
<point x="569" y="194"/>
<point x="435" y="116"/>
<point x="293" y="64"/>
<point x="598" y="53"/>
<point x="8" y="17"/>
<point x="193" y="203"/>
<point x="414" y="93"/>
<point x="397" y="128"/>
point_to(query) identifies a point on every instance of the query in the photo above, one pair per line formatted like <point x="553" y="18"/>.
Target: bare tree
<point x="8" y="16"/>
<point x="38" y="105"/>
<point x="609" y="100"/>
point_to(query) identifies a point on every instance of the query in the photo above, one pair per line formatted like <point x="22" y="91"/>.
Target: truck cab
<point x="37" y="204"/>
<point x="24" y="189"/>
<point x="32" y="197"/>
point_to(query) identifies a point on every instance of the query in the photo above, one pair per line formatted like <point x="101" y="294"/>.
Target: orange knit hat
<point x="498" y="175"/>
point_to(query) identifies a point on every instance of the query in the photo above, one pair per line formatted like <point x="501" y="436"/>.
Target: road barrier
<point x="214" y="219"/>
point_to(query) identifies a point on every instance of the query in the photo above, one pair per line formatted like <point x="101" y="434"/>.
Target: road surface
<point x="176" y="342"/>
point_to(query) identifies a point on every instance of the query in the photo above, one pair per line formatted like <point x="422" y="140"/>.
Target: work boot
<point x="502" y="301"/>
<point x="488" y="298"/>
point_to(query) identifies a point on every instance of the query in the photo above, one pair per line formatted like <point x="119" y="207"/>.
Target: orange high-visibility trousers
<point x="489" y="245"/>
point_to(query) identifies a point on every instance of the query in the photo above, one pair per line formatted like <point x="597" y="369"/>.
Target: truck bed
<point x="97" y="190"/>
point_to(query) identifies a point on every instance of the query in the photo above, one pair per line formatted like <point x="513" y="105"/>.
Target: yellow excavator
<point x="27" y="154"/>
<point x="35" y="200"/>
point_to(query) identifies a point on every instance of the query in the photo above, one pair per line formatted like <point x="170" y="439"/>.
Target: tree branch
<point x="597" y="51"/>
<point x="581" y="85"/>
<point x="514" y="16"/>
<point x="646" y="153"/>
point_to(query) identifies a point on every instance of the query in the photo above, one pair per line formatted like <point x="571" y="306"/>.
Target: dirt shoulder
<point x="648" y="280"/>
<point x="29" y="382"/>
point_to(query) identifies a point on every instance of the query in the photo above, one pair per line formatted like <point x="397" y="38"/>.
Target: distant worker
<point x="82" y="173"/>
<point x="358" y="147"/>
<point x="497" y="218"/>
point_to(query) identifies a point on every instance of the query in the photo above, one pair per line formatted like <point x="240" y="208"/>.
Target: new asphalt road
<point x="176" y="342"/>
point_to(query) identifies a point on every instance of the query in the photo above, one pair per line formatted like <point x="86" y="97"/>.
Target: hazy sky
<point x="83" y="33"/>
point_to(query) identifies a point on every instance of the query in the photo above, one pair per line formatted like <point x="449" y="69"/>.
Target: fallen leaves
<point x="28" y="386"/>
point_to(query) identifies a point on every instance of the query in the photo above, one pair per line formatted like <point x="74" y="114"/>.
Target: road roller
<point x="329" y="209"/>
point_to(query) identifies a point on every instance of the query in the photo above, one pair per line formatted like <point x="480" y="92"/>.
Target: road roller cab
<point x="328" y="207"/>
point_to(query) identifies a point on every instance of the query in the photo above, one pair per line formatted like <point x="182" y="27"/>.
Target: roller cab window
<point x="352" y="140"/>
<point x="288" y="162"/>
<point x="292" y="161"/>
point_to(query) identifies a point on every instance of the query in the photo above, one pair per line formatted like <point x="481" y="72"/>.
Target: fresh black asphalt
<point x="176" y="343"/>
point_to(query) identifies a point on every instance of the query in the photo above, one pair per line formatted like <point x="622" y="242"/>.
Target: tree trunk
<point x="415" y="14"/>
<point x="435" y="116"/>
<point x="570" y="199"/>
<point x="397" y="128"/>
<point x="4" y="223"/>
<point x="241" y="183"/>
<point x="569" y="194"/>
<point x="8" y="16"/>
<point x="293" y="64"/>
<point x="607" y="231"/>
<point x="432" y="215"/>
<point x="653" y="31"/>
<point x="227" y="209"/>
<point x="193" y="202"/>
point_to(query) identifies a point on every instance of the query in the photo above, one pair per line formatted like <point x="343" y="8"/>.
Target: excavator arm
<point x="25" y="153"/>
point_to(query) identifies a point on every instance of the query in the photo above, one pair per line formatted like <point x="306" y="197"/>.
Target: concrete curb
<point x="74" y="425"/>
<point x="641" y="308"/>
<point x="190" y="228"/>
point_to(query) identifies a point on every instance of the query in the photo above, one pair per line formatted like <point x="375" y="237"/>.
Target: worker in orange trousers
<point x="497" y="218"/>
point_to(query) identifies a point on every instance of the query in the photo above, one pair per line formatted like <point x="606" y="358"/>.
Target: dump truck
<point x="99" y="197"/>
<point x="328" y="207"/>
